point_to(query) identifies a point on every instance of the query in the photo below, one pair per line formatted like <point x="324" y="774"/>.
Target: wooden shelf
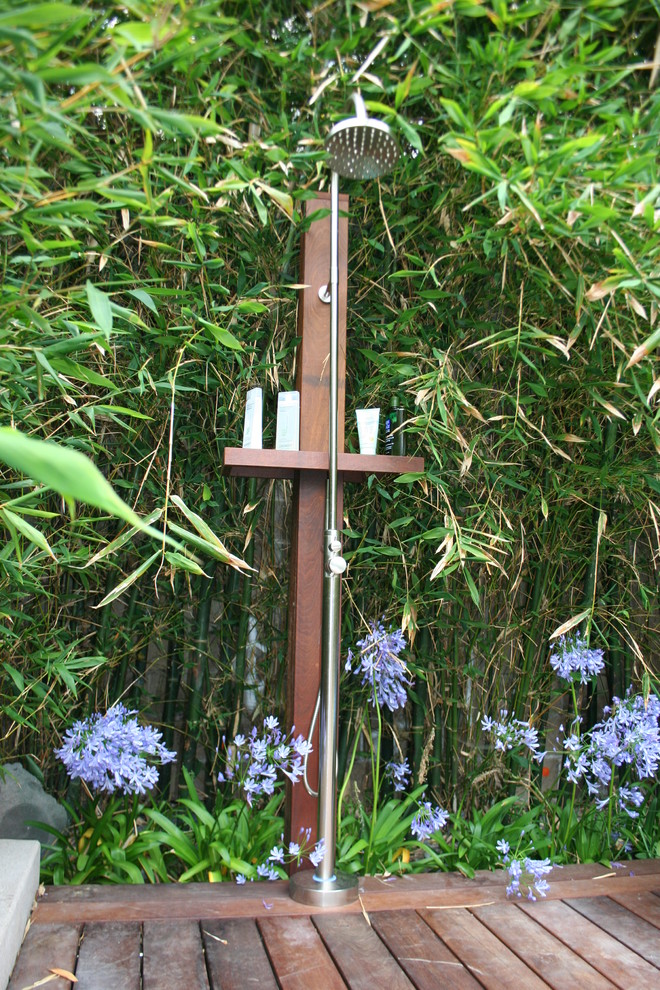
<point x="241" y="462"/>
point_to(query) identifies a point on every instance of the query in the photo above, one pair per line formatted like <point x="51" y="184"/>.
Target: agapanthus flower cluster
<point x="573" y="660"/>
<point x="113" y="752"/>
<point x="628" y="736"/>
<point x="254" y="761"/>
<point x="428" y="821"/>
<point x="273" y="868"/>
<point x="510" y="734"/>
<point x="381" y="667"/>
<point x="528" y="877"/>
<point x="398" y="774"/>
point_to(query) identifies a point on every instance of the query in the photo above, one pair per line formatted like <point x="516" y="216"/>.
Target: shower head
<point x="361" y="147"/>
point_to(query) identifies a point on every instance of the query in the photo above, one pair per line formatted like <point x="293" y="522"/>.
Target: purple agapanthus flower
<point x="627" y="737"/>
<point x="399" y="774"/>
<point x="381" y="667"/>
<point x="528" y="877"/>
<point x="512" y="733"/>
<point x="113" y="752"/>
<point x="317" y="854"/>
<point x="428" y="821"/>
<point x="254" y="762"/>
<point x="267" y="872"/>
<point x="573" y="660"/>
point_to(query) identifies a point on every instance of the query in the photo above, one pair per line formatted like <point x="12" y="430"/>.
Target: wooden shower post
<point x="308" y="468"/>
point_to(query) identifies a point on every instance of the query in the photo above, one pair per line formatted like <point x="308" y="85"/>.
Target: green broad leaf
<point x="570" y="624"/>
<point x="128" y="581"/>
<point x="16" y="676"/>
<point x="143" y="297"/>
<point x="78" y="75"/>
<point x="71" y="369"/>
<point x="474" y="591"/>
<point x="283" y="199"/>
<point x="69" y="473"/>
<point x="60" y="671"/>
<point x="124" y="538"/>
<point x="200" y="867"/>
<point x="207" y="533"/>
<point x="406" y="479"/>
<point x="456" y="114"/>
<point x="410" y="133"/>
<point x="99" y="304"/>
<point x="221" y="335"/>
<point x="250" y="306"/>
<point x="29" y="531"/>
<point x="185" y="563"/>
<point x="41" y="15"/>
<point x="210" y="548"/>
<point x="131" y="870"/>
<point x="121" y="411"/>
<point x="139" y="35"/>
<point x="645" y="348"/>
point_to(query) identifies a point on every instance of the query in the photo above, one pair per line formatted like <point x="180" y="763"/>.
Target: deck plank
<point x="173" y="956"/>
<point x="618" y="964"/>
<point x="109" y="956"/>
<point x="421" y="954"/>
<point x="45" y="946"/>
<point x="542" y="951"/>
<point x="359" y="954"/>
<point x="225" y="900"/>
<point x="644" y="904"/>
<point x="494" y="965"/>
<point x="298" y="955"/>
<point x="235" y="955"/>
<point x="616" y="920"/>
<point x="426" y="931"/>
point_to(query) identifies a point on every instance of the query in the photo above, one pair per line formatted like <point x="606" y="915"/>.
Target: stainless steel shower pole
<point x="334" y="566"/>
<point x="358" y="148"/>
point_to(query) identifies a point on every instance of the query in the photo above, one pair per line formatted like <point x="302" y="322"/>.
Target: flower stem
<point x="375" y="776"/>
<point x="347" y="777"/>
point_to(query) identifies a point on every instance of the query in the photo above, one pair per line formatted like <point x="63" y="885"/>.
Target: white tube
<point x="253" y="420"/>
<point x="367" y="421"/>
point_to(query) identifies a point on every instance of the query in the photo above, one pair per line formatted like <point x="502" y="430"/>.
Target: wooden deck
<point x="598" y="928"/>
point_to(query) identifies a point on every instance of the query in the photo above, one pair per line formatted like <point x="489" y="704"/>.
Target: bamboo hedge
<point x="503" y="281"/>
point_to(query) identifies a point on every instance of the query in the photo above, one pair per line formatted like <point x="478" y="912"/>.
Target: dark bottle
<point x="395" y="442"/>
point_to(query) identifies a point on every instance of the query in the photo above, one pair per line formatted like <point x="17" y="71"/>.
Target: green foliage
<point x="106" y="842"/>
<point x="217" y="845"/>
<point x="502" y="281"/>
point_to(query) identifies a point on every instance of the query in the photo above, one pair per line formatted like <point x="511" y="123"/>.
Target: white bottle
<point x="287" y="435"/>
<point x="253" y="419"/>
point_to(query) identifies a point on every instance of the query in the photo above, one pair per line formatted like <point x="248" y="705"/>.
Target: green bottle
<point x="395" y="442"/>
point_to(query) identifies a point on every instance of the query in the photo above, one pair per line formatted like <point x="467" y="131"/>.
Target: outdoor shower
<point x="358" y="148"/>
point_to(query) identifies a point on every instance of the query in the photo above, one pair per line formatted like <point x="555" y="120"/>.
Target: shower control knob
<point x="334" y="546"/>
<point x="337" y="565"/>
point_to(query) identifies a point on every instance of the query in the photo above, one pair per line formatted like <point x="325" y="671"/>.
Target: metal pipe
<point x="329" y="714"/>
<point x="359" y="148"/>
<point x="334" y="348"/>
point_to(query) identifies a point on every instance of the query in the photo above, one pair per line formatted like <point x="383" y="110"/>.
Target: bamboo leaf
<point x="119" y="589"/>
<point x="185" y="563"/>
<point x="207" y="533"/>
<point x="122" y="539"/>
<point x="570" y="624"/>
<point x="99" y="304"/>
<point x="29" y="531"/>
<point x="69" y="473"/>
<point x="645" y="348"/>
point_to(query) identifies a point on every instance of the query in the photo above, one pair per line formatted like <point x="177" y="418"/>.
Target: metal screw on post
<point x="358" y="148"/>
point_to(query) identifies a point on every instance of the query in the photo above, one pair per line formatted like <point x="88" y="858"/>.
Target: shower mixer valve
<point x="335" y="563"/>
